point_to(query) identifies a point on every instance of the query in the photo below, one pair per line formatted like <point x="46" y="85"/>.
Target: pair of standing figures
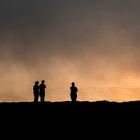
<point x="39" y="90"/>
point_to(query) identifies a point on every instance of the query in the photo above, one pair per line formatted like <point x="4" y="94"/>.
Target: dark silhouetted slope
<point x="69" y="107"/>
<point x="68" y="118"/>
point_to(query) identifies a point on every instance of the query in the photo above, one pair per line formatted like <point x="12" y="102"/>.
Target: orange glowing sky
<point x="92" y="42"/>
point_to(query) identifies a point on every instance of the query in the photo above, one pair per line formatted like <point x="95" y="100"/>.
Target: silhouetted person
<point x="73" y="93"/>
<point x="36" y="91"/>
<point x="42" y="87"/>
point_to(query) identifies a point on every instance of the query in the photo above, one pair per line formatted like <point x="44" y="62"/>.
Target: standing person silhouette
<point x="36" y="91"/>
<point x="42" y="87"/>
<point x="73" y="93"/>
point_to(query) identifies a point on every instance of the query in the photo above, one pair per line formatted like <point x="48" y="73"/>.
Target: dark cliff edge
<point x="100" y="116"/>
<point x="65" y="108"/>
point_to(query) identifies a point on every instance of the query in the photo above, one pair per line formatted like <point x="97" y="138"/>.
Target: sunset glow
<point x="95" y="44"/>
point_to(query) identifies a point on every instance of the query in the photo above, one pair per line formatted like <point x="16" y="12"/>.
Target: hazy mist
<point x="92" y="42"/>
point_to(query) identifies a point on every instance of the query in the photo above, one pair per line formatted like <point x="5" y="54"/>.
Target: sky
<point x="92" y="42"/>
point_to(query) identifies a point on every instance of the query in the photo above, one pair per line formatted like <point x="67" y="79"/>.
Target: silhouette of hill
<point x="67" y="107"/>
<point x="69" y="118"/>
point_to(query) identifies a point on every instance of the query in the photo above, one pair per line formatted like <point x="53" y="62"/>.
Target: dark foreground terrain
<point x="70" y="108"/>
<point x="67" y="109"/>
<point x="72" y="119"/>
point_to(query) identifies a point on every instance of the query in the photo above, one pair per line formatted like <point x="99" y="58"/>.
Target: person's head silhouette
<point x="43" y="81"/>
<point x="36" y="83"/>
<point x="73" y="84"/>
